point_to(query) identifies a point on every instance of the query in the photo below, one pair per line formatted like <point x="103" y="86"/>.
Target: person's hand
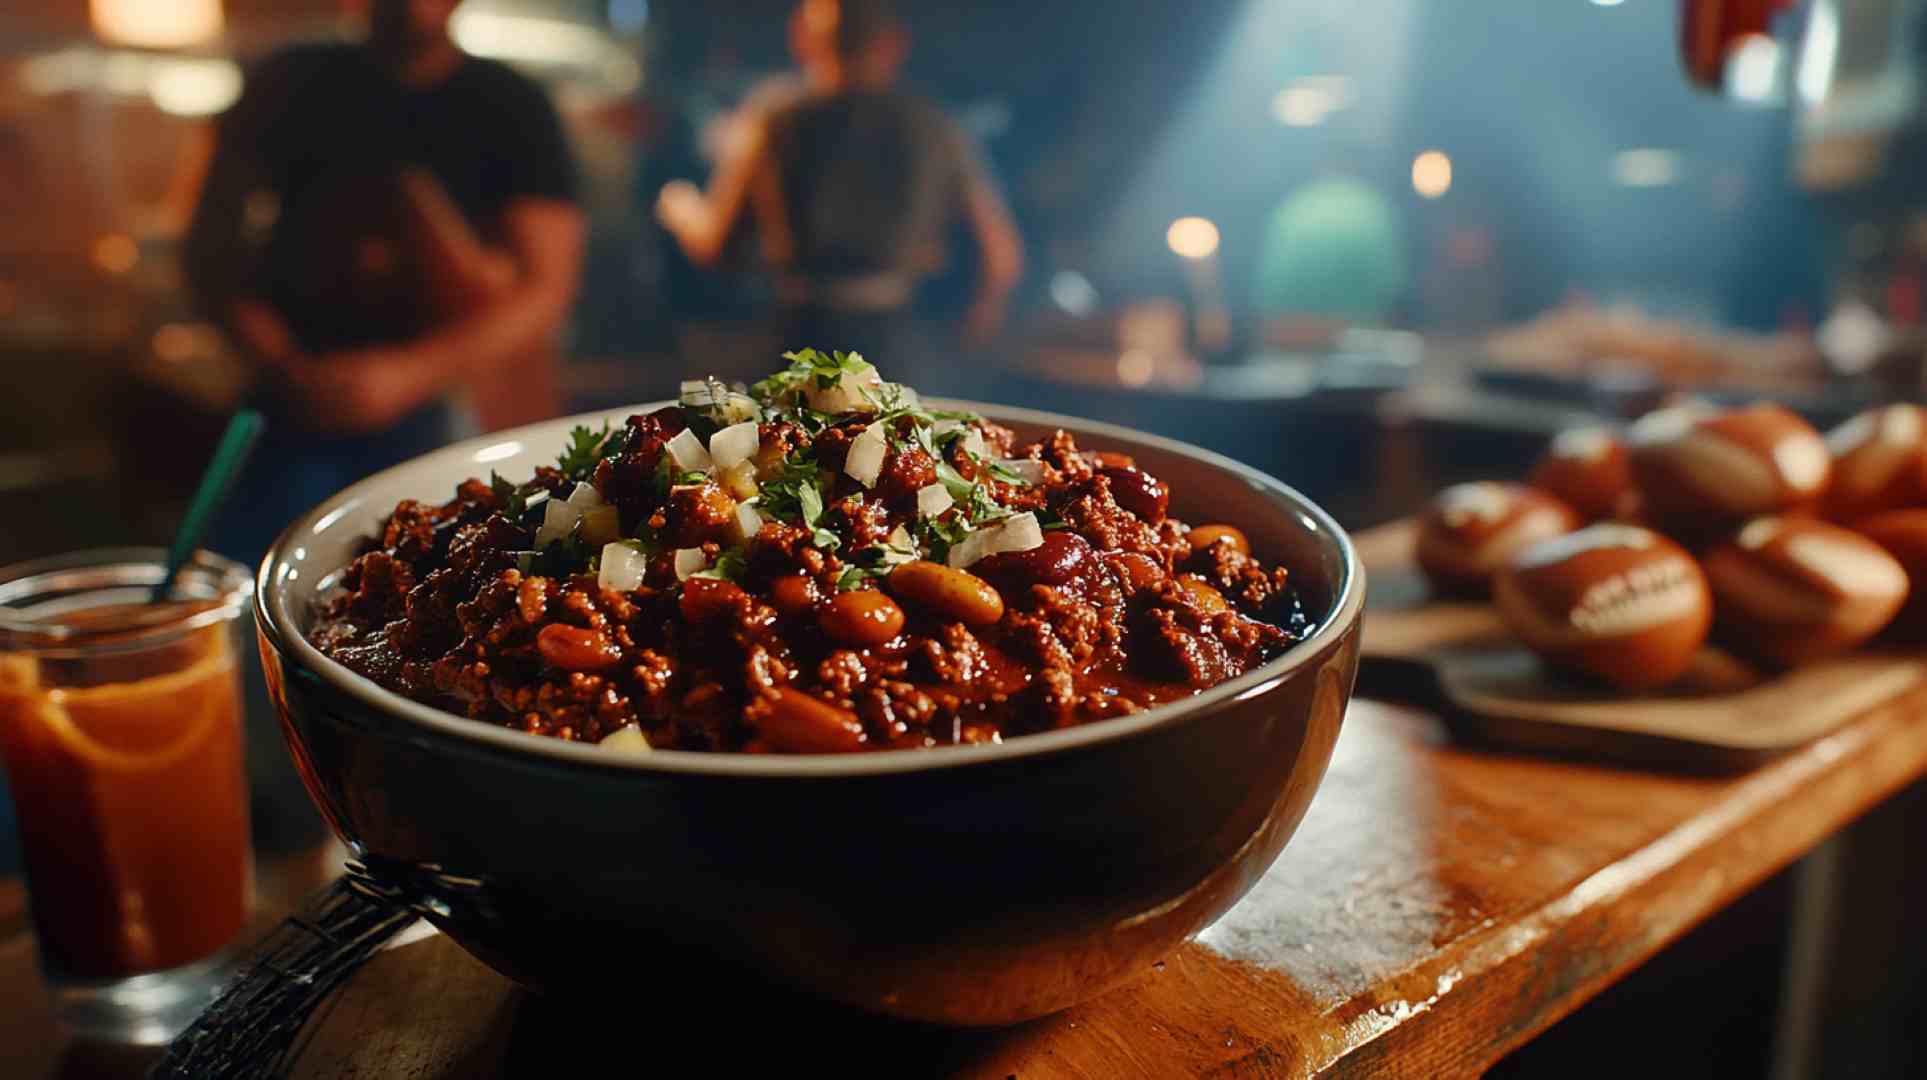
<point x="679" y="205"/>
<point x="355" y="392"/>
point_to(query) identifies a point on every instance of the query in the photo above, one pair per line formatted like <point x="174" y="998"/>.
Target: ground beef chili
<point x="950" y="587"/>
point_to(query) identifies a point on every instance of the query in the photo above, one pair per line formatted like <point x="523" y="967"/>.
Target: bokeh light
<point x="156" y="24"/>
<point x="1432" y="174"/>
<point x="1193" y="237"/>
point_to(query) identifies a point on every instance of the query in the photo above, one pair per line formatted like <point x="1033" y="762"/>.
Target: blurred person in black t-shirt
<point x="383" y="224"/>
<point x="852" y="186"/>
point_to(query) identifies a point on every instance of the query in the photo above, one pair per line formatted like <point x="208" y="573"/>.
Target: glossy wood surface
<point x="1439" y="906"/>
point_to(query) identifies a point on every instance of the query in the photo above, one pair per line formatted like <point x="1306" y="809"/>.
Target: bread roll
<point x="1903" y="533"/>
<point x="1471" y="530"/>
<point x="1879" y="463"/>
<point x="1587" y="469"/>
<point x="1793" y="590"/>
<point x="1698" y="469"/>
<point x="1617" y="602"/>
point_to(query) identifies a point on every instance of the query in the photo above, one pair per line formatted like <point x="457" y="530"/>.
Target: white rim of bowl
<point x="272" y="604"/>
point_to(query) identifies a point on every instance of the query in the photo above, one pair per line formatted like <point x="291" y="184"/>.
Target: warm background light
<point x="116" y="253"/>
<point x="156" y="24"/>
<point x="1432" y="174"/>
<point x="1193" y="237"/>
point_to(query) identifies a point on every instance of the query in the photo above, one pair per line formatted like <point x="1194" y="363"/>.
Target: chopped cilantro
<point x="586" y="447"/>
<point x="782" y="494"/>
<point x="559" y="558"/>
<point x="806" y="366"/>
<point x="1004" y="472"/>
<point x="953" y="481"/>
<point x="514" y="499"/>
<point x="809" y="503"/>
<point x="982" y="508"/>
<point x="941" y="533"/>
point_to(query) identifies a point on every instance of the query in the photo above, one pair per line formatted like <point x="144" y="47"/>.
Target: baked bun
<point x="1471" y="530"/>
<point x="1617" y="602"/>
<point x="1794" y="590"/>
<point x="1879" y="463"/>
<point x="1903" y="534"/>
<point x="1697" y="468"/>
<point x="1587" y="469"/>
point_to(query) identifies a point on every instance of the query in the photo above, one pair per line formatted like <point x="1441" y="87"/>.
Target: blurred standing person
<point x="383" y="224"/>
<point x="852" y="185"/>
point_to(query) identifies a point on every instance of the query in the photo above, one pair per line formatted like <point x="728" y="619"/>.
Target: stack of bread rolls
<point x="1626" y="550"/>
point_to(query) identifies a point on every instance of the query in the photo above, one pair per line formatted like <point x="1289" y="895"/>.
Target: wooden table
<point x="1439" y="906"/>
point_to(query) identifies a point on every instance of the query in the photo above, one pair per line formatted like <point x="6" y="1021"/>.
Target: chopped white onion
<point x="558" y="520"/>
<point x="1018" y="533"/>
<point x="627" y="739"/>
<point x="865" y="462"/>
<point x="1031" y="472"/>
<point x="738" y="408"/>
<point x="734" y="444"/>
<point x="688" y="561"/>
<point x="848" y="393"/>
<point x="601" y="524"/>
<point x="622" y="569"/>
<point x="745" y="525"/>
<point x="969" y="549"/>
<point x="585" y="496"/>
<point x="730" y="406"/>
<point x="933" y="499"/>
<point x="687" y="452"/>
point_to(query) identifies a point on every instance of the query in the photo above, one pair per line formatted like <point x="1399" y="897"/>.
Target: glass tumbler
<point x="121" y="734"/>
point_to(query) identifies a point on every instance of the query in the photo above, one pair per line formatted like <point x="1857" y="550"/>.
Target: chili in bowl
<point x="958" y="833"/>
<point x="822" y="564"/>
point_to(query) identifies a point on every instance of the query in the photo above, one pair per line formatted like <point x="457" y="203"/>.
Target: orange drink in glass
<point x="121" y="735"/>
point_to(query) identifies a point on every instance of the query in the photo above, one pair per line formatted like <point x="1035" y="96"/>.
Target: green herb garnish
<point x="514" y="498"/>
<point x="586" y="448"/>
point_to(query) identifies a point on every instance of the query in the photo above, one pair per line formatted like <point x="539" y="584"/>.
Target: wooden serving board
<point x="1724" y="713"/>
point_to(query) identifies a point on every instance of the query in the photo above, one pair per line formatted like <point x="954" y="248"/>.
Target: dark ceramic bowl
<point x="964" y="885"/>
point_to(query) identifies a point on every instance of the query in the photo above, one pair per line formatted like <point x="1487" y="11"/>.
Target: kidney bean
<point x="1142" y="571"/>
<point x="1110" y="459"/>
<point x="864" y="617"/>
<point x="1203" y="596"/>
<point x="797" y="723"/>
<point x="704" y="599"/>
<point x="795" y="595"/>
<point x="1062" y="556"/>
<point x="947" y="591"/>
<point x="1138" y="491"/>
<point x="1205" y="535"/>
<point x="573" y="648"/>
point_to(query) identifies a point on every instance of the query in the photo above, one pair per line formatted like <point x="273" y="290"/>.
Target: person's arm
<point x="744" y="183"/>
<point x="1001" y="253"/>
<point x="367" y="389"/>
